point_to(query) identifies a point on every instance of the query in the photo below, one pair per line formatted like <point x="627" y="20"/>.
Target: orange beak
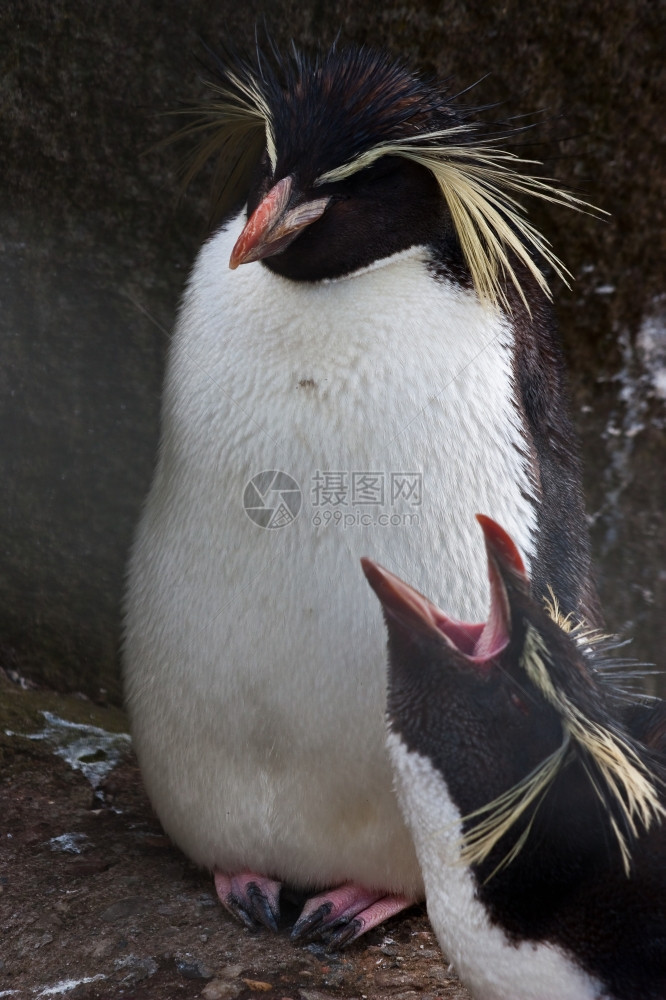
<point x="273" y="226"/>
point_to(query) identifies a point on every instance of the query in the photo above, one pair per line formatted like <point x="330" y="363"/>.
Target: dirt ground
<point x="96" y="903"/>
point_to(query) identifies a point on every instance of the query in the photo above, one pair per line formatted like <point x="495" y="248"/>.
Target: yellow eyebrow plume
<point x="479" y="183"/>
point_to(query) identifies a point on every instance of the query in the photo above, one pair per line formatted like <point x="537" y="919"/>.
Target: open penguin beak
<point x="413" y="611"/>
<point x="274" y="225"/>
<point x="410" y="611"/>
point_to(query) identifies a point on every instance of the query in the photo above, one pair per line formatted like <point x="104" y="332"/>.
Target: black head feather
<point x="306" y="114"/>
<point x="327" y="117"/>
<point x="331" y="108"/>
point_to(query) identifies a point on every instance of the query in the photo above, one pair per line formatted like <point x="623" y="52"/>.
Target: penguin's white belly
<point x="489" y="964"/>
<point x="255" y="658"/>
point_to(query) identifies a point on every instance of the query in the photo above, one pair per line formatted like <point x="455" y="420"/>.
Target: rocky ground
<point x="96" y="903"/>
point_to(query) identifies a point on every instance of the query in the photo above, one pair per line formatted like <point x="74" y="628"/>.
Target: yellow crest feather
<point x="479" y="183"/>
<point x="499" y="816"/>
<point x="628" y="780"/>
<point x="580" y="631"/>
<point x="619" y="776"/>
<point x="239" y="123"/>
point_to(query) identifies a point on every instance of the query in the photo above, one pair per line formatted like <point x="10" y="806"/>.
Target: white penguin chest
<point x="256" y="656"/>
<point x="361" y="390"/>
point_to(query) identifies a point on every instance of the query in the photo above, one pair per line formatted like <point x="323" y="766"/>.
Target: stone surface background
<point x="95" y="247"/>
<point x="96" y="904"/>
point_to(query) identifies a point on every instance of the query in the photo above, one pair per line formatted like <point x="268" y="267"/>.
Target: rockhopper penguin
<point x="389" y="321"/>
<point x="534" y="790"/>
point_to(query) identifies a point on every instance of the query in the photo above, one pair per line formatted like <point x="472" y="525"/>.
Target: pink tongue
<point x="463" y="635"/>
<point x="478" y="643"/>
<point x="494" y="637"/>
<point x="495" y="634"/>
<point x="485" y="641"/>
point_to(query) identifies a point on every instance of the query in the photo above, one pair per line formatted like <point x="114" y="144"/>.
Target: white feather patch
<point x="489" y="964"/>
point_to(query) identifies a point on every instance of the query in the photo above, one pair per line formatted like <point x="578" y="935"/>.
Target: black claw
<point x="306" y="927"/>
<point x="261" y="909"/>
<point x="341" y="934"/>
<point x="235" y="906"/>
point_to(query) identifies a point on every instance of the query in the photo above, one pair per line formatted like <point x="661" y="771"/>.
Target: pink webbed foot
<point x="341" y="915"/>
<point x="253" y="899"/>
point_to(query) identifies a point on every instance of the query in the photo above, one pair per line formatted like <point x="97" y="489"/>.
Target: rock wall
<point x="95" y="246"/>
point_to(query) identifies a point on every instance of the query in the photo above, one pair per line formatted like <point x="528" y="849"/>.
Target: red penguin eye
<point x="518" y="702"/>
